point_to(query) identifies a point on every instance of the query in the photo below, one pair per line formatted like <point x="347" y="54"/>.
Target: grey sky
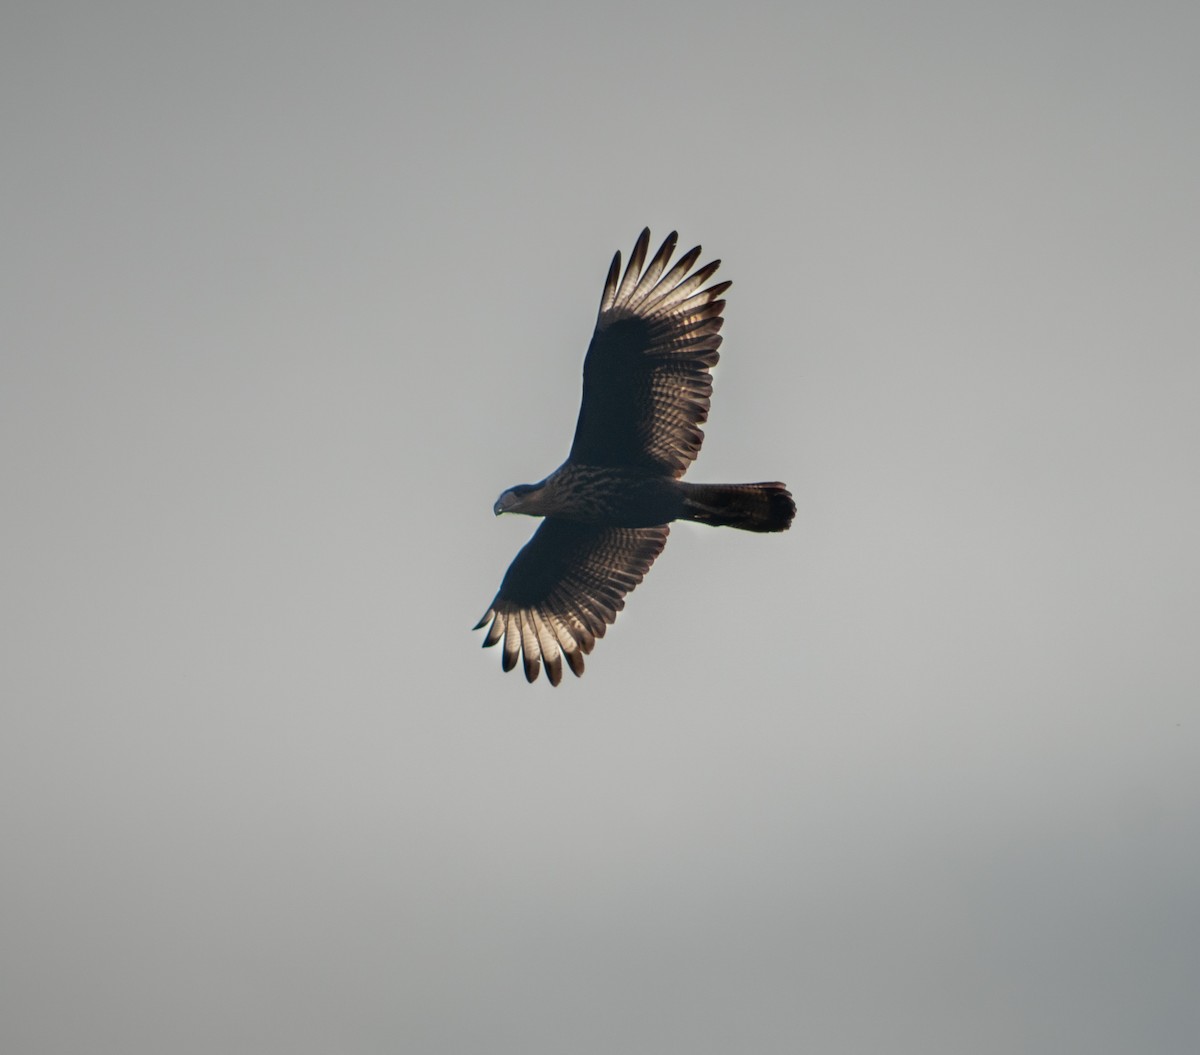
<point x="292" y="292"/>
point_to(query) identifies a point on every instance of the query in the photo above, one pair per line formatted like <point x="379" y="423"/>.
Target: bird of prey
<point x="606" y="509"/>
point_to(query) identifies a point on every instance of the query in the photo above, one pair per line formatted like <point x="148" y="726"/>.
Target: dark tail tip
<point x="782" y="508"/>
<point x="748" y="507"/>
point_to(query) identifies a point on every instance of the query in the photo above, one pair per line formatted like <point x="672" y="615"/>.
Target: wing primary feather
<point x="655" y="269"/>
<point x="636" y="259"/>
<point x="566" y="643"/>
<point x="495" y="632"/>
<point x="702" y="305"/>
<point x="512" y="641"/>
<point x="665" y="284"/>
<point x="529" y="647"/>
<point x="685" y="288"/>
<point x="610" y="283"/>
<point x="574" y="658"/>
<point x="548" y="643"/>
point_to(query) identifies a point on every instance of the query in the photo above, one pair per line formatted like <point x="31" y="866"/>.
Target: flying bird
<point x="606" y="509"/>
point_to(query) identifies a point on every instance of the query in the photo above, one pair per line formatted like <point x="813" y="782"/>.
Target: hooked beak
<point x="515" y="500"/>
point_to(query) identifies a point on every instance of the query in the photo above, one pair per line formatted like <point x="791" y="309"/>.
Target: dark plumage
<point x="646" y="391"/>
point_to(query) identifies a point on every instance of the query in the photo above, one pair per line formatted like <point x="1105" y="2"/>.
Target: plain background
<point x="291" y="292"/>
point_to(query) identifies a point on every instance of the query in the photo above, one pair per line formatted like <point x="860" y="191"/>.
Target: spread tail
<point x="751" y="507"/>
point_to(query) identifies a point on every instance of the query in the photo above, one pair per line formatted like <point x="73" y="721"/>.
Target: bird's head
<point x="516" y="499"/>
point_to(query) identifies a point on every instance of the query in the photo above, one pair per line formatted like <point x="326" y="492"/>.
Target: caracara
<point x="646" y="390"/>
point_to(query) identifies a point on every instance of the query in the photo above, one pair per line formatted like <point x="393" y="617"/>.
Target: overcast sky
<point x="291" y="292"/>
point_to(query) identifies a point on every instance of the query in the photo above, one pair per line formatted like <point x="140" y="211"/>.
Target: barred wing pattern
<point x="564" y="589"/>
<point x="646" y="382"/>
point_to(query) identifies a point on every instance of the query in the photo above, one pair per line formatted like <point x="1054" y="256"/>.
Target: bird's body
<point x="646" y="391"/>
<point x="611" y="496"/>
<point x="605" y="495"/>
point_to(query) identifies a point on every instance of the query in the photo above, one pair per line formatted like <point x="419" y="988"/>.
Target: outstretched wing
<point x="563" y="589"/>
<point x="646" y="385"/>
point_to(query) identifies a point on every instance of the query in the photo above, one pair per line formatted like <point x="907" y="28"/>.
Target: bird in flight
<point x="606" y="509"/>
